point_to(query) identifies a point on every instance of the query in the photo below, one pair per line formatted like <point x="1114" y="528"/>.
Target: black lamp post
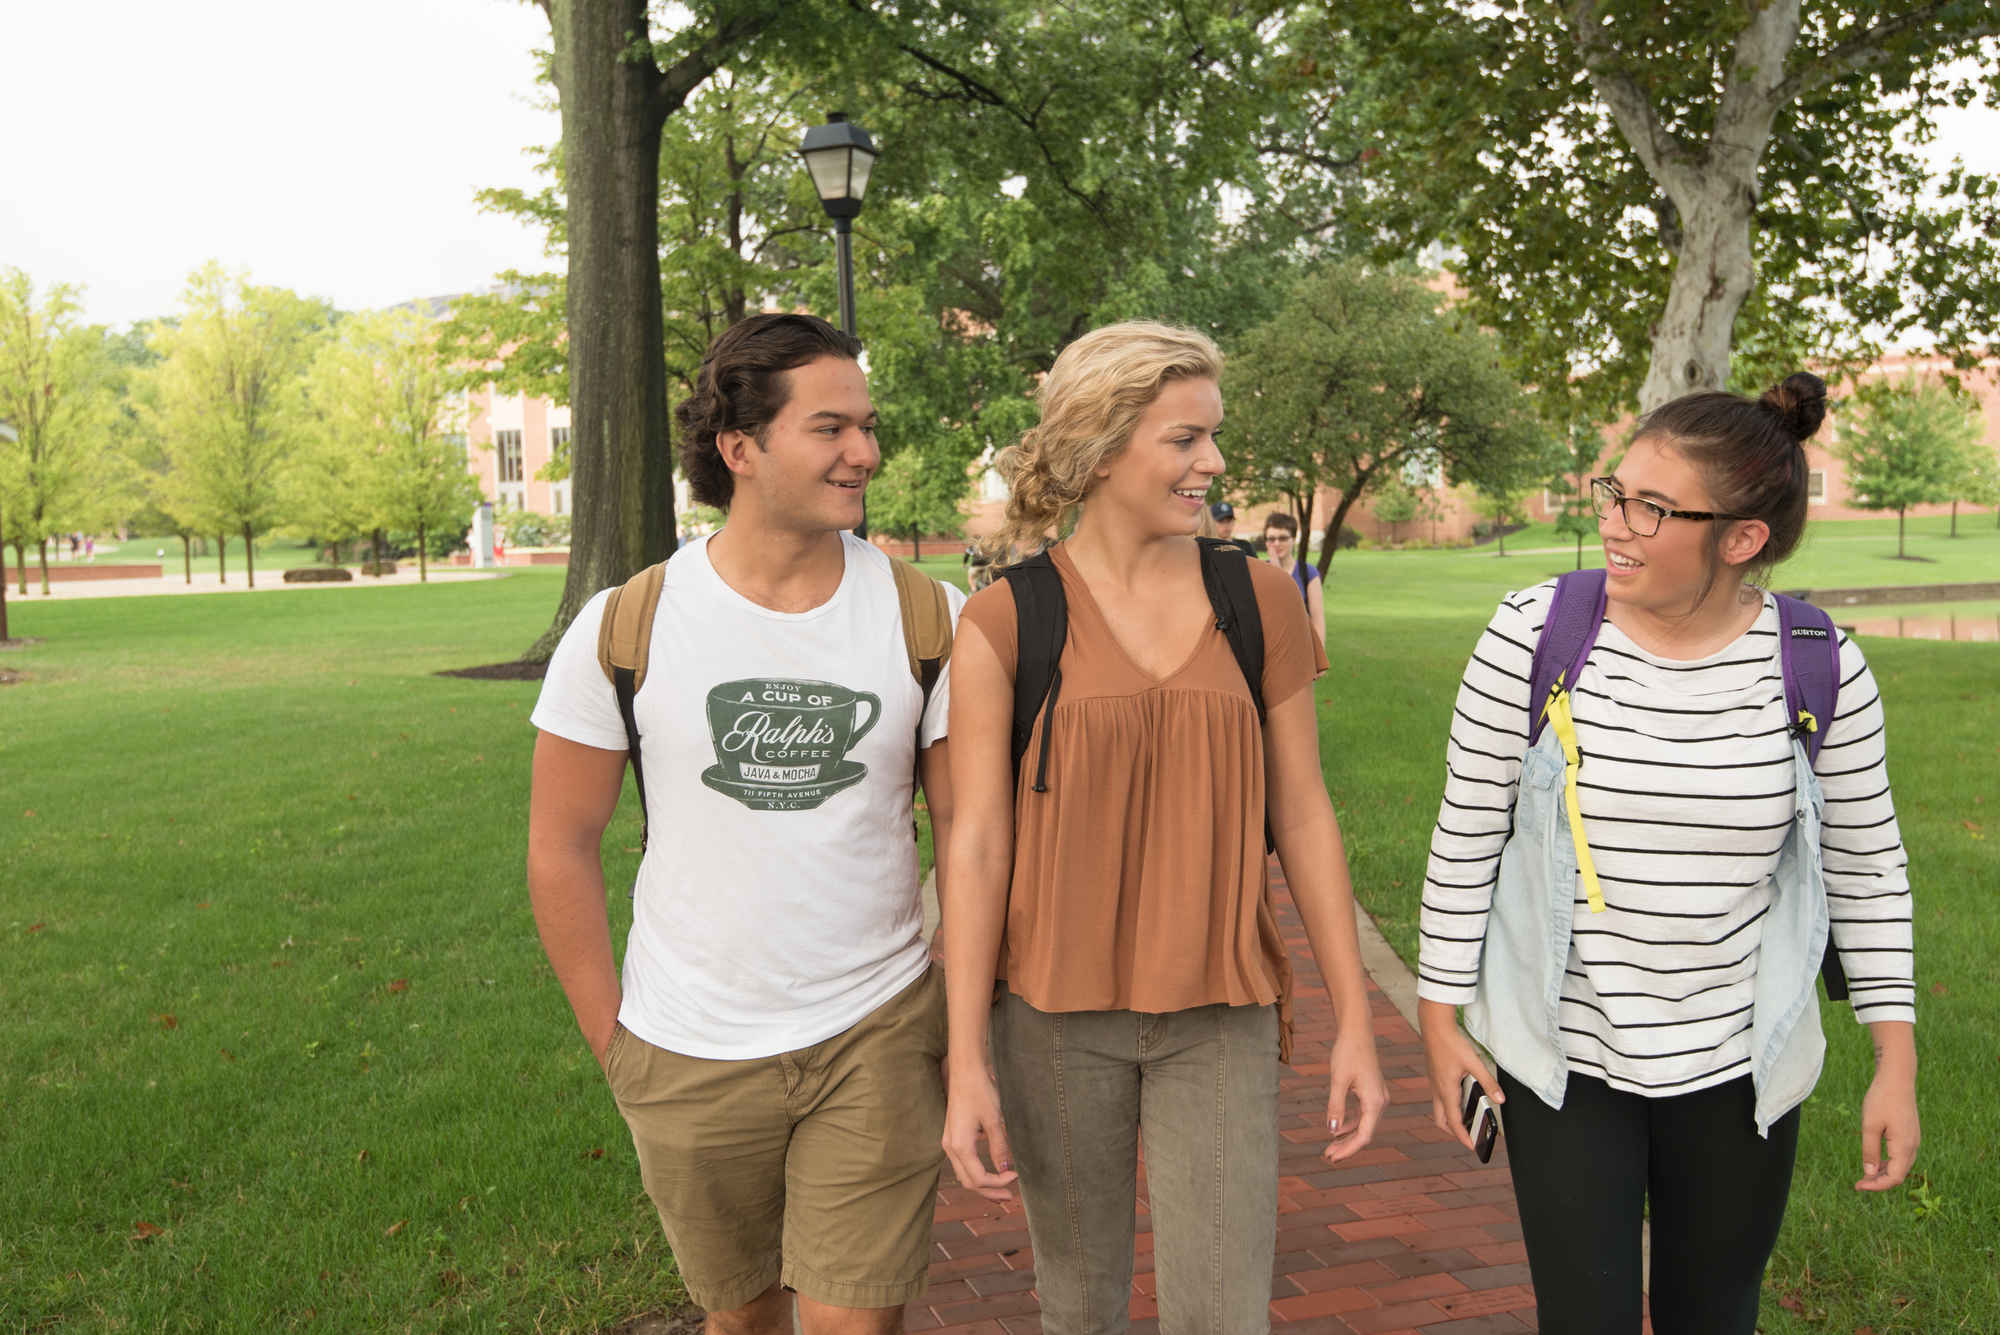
<point x="839" y="154"/>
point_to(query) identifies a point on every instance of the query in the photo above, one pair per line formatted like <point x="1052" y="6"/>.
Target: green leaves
<point x="1360" y="381"/>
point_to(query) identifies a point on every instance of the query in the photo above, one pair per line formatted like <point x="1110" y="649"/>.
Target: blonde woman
<point x="1113" y="896"/>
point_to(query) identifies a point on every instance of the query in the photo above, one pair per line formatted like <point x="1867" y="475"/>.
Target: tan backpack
<point x="625" y="638"/>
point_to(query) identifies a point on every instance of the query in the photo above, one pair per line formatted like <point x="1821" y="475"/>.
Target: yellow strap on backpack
<point x="1556" y="711"/>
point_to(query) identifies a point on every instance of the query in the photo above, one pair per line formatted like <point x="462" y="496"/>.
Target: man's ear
<point x="739" y="451"/>
<point x="1745" y="539"/>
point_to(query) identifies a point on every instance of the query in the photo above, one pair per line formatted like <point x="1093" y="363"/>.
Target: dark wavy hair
<point x="1751" y="453"/>
<point x="741" y="386"/>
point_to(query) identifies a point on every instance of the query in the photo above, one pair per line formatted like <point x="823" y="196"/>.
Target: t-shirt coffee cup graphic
<point x="782" y="745"/>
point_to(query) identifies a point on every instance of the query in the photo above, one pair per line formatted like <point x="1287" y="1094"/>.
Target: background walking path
<point x="1413" y="1234"/>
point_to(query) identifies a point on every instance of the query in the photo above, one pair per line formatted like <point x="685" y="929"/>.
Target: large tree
<point x="1046" y="168"/>
<point x="1360" y="379"/>
<point x="616" y="86"/>
<point x="58" y="389"/>
<point x="1631" y="194"/>
<point x="226" y="400"/>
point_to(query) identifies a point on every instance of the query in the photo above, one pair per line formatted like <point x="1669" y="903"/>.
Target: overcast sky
<point x="329" y="148"/>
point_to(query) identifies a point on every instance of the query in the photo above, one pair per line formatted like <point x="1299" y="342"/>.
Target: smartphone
<point x="1477" y="1114"/>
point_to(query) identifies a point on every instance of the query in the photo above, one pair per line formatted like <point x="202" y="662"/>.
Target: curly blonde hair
<point x="1091" y="401"/>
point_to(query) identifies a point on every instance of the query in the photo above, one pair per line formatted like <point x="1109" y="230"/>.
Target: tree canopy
<point x="389" y="447"/>
<point x="1909" y="445"/>
<point x="59" y="391"/>
<point x="1633" y="195"/>
<point x="227" y="402"/>
<point x="1362" y="376"/>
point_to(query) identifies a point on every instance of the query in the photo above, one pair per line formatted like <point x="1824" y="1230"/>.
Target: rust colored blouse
<point x="1139" y="877"/>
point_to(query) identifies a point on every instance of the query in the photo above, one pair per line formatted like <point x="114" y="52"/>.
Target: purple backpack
<point x="1808" y="656"/>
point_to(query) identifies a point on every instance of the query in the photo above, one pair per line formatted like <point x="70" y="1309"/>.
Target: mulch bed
<point x="8" y="677"/>
<point x="516" y="671"/>
<point x="21" y="643"/>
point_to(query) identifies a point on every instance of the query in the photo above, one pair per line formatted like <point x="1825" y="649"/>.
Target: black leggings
<point x="1583" y="1177"/>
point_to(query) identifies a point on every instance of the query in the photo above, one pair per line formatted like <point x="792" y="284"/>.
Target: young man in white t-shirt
<point x="775" y="1036"/>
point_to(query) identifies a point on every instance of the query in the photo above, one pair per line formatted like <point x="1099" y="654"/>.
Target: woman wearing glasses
<point x="1674" y="1085"/>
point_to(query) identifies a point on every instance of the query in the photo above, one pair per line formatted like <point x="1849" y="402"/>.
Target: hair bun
<point x="1800" y="402"/>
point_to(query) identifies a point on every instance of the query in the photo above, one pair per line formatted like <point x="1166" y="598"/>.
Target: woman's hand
<point x="1889" y="1129"/>
<point x="1357" y="1072"/>
<point x="1449" y="1057"/>
<point x="972" y="1112"/>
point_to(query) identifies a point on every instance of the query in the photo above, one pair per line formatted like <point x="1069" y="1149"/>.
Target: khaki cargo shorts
<point x="816" y="1168"/>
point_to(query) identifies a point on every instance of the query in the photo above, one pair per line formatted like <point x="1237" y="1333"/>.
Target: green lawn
<point x="1399" y="629"/>
<point x="275" y="991"/>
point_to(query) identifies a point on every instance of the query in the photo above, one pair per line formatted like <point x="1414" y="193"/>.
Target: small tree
<point x="386" y="409"/>
<point x="1395" y="505"/>
<point x="1580" y="453"/>
<point x="917" y="492"/>
<point x="1978" y="476"/>
<point x="58" y="389"/>
<point x="1361" y="378"/>
<point x="1908" y="447"/>
<point x="227" y="400"/>
<point x="1503" y="504"/>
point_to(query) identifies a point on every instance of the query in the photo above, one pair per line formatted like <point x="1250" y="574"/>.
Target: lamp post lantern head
<point x="839" y="154"/>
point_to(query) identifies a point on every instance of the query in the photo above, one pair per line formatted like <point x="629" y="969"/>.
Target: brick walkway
<point x="1412" y="1234"/>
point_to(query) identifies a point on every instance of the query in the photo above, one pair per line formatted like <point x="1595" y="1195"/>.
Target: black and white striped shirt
<point x="1686" y="792"/>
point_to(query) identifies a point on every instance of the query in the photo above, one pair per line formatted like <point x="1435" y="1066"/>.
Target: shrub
<point x="318" y="575"/>
<point x="378" y="568"/>
<point x="524" y="528"/>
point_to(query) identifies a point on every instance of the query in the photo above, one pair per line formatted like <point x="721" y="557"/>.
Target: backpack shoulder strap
<point x="1225" y="574"/>
<point x="624" y="644"/>
<point x="926" y="624"/>
<point x="1809" y="659"/>
<point x="1568" y="635"/>
<point x="625" y="636"/>
<point x="1041" y="620"/>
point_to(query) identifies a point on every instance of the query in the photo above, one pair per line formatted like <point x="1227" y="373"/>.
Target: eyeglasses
<point x="1641" y="516"/>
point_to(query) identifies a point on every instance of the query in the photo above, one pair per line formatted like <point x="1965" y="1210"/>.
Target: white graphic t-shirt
<point x="777" y="904"/>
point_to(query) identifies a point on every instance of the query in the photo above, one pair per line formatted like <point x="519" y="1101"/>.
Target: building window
<point x="558" y="441"/>
<point x="1816" y="484"/>
<point x="507" y="444"/>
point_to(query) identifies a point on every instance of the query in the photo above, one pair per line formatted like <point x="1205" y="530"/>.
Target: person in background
<point x="1281" y="533"/>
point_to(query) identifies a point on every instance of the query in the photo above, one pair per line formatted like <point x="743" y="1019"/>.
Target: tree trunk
<point x="423" y="556"/>
<point x="1579" y="551"/>
<point x="44" y="549"/>
<point x="1710" y="187"/>
<point x="613" y="107"/>
<point x="1500" y="532"/>
<point x="1899" y="532"/>
<point x="916" y="543"/>
<point x="221" y="559"/>
<point x="375" y="550"/>
<point x="1954" y="519"/>
<point x="249" y="558"/>
<point x="1340" y="509"/>
<point x="187" y="558"/>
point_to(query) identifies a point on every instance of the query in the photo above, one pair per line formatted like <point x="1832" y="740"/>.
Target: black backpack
<point x="1041" y="615"/>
